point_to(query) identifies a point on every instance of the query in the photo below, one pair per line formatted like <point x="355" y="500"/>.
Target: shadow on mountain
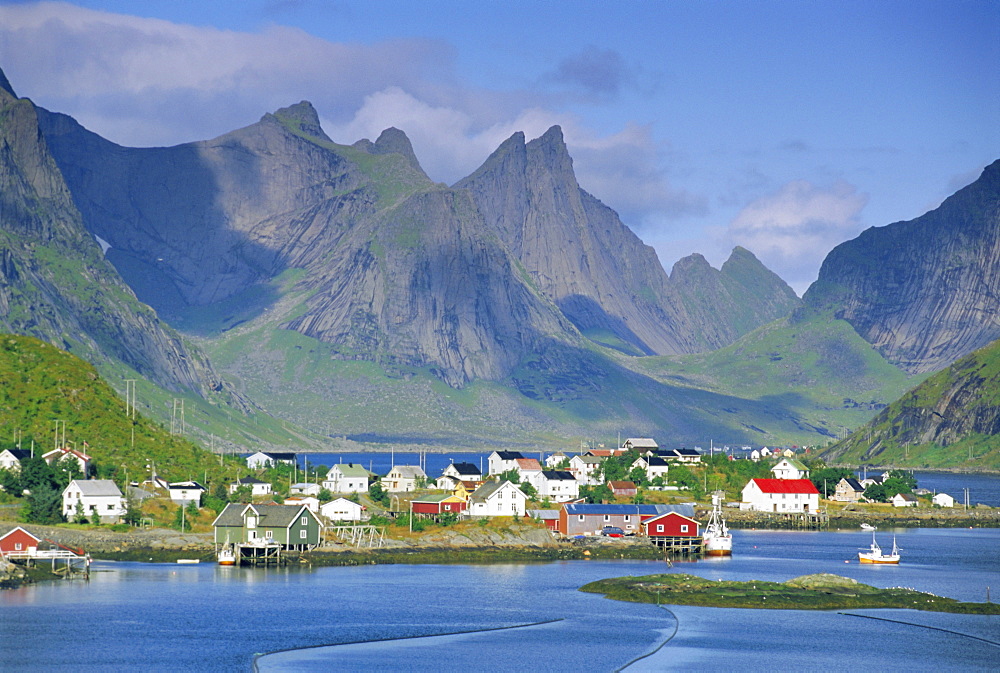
<point x="595" y="323"/>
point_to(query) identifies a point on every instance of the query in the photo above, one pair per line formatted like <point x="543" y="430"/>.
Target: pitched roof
<point x="528" y="464"/>
<point x="466" y="469"/>
<point x="666" y="514"/>
<point x="648" y="510"/>
<point x="641" y="442"/>
<point x="247" y="481"/>
<point x="794" y="462"/>
<point x="436" y="498"/>
<point x="487" y="490"/>
<point x="785" y="486"/>
<point x="558" y="475"/>
<point x="20" y="454"/>
<point x="507" y="455"/>
<point x="96" y="487"/>
<point x="268" y="516"/>
<point x="854" y="484"/>
<point x="18" y="528"/>
<point x="350" y="470"/>
<point x="656" y="461"/>
<point x="908" y="497"/>
<point x="621" y="485"/>
<point x="186" y="485"/>
<point x="408" y="471"/>
<point x="542" y="514"/>
<point x="279" y="456"/>
<point x="588" y="460"/>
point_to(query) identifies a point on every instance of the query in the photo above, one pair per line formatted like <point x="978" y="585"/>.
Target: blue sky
<point x="783" y="126"/>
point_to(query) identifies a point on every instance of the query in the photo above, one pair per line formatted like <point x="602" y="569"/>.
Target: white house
<point x="641" y="444"/>
<point x="309" y="502"/>
<point x="557" y="485"/>
<point x="342" y="509"/>
<point x="93" y="497"/>
<point x="185" y="492"/>
<point x="56" y="455"/>
<point x="790" y="468"/>
<point x="10" y="459"/>
<point x="257" y="487"/>
<point x="456" y="473"/>
<point x="584" y="469"/>
<point x="497" y="498"/>
<point x="346" y="478"/>
<point x="403" y="478"/>
<point x="503" y="461"/>
<point x="305" y="488"/>
<point x="528" y="469"/>
<point x="261" y="459"/>
<point x="780" y="495"/>
<point x="654" y="466"/>
<point x="755" y="455"/>
<point x="555" y="460"/>
<point x="904" y="500"/>
<point x="943" y="500"/>
<point x="848" y="489"/>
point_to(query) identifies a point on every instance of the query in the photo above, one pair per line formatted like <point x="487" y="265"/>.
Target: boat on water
<point x="875" y="555"/>
<point x="867" y="526"/>
<point x="717" y="539"/>
<point x="227" y="556"/>
<point x="188" y="560"/>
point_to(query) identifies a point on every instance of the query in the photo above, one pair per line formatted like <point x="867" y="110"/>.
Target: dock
<point x="65" y="561"/>
<point x="259" y="554"/>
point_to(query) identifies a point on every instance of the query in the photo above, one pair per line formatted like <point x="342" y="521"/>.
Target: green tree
<point x="243" y="494"/>
<point x="43" y="505"/>
<point x="876" y="493"/>
<point x="325" y="495"/>
<point x="637" y="475"/>
<point x="10" y="482"/>
<point x="596" y="494"/>
<point x="899" y="481"/>
<point x="528" y="490"/>
<point x="133" y="513"/>
<point x="378" y="494"/>
<point x="825" y="479"/>
<point x="36" y="474"/>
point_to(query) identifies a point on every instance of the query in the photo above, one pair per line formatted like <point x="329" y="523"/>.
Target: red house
<point x="18" y="541"/>
<point x="623" y="488"/>
<point x="671" y="524"/>
<point x="437" y="504"/>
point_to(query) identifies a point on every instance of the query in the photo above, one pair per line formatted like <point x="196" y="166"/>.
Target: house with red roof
<point x="623" y="488"/>
<point x="780" y="495"/>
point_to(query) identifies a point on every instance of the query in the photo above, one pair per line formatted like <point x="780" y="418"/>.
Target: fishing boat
<point x="717" y="539"/>
<point x="875" y="555"/>
<point x="867" y="526"/>
<point x="227" y="556"/>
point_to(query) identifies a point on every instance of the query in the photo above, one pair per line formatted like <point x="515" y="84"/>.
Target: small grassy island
<point x="810" y="592"/>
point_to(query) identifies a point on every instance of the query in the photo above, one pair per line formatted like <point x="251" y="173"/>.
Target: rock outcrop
<point x="927" y="291"/>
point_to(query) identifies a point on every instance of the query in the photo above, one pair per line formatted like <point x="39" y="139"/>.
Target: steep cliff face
<point x="951" y="418"/>
<point x="927" y="291"/>
<point x="56" y="285"/>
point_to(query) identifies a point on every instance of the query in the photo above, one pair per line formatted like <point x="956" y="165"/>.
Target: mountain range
<point x="341" y="288"/>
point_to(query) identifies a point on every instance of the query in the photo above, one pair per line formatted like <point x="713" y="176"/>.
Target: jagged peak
<point x="5" y="84"/>
<point x="394" y="141"/>
<point x="693" y="262"/>
<point x="304" y="117"/>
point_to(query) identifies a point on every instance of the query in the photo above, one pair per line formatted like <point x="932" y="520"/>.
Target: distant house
<point x="557" y="485"/>
<point x="403" y="478"/>
<point x="904" y="500"/>
<point x="623" y="488"/>
<point x="342" y="509"/>
<point x="848" y="489"/>
<point x="257" y="487"/>
<point x="943" y="500"/>
<point x="755" y="455"/>
<point x="457" y="473"/>
<point x="556" y="459"/>
<point x="669" y="525"/>
<point x="790" y="468"/>
<point x="346" y="478"/>
<point x="93" y="497"/>
<point x="584" y="469"/>
<point x="57" y="455"/>
<point x="654" y="466"/>
<point x="528" y="469"/>
<point x="641" y="444"/>
<point x="437" y="504"/>
<point x="262" y="459"/>
<point x="18" y="541"/>
<point x="588" y="519"/>
<point x="606" y="453"/>
<point x="185" y="492"/>
<point x="10" y="459"/>
<point x="305" y="488"/>
<point x="780" y="495"/>
<point x="503" y="461"/>
<point x="497" y="498"/>
<point x="310" y="501"/>
<point x="293" y="527"/>
<point x="550" y="517"/>
<point x="681" y="455"/>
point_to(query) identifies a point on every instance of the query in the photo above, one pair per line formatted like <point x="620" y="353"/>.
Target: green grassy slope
<point x="950" y="420"/>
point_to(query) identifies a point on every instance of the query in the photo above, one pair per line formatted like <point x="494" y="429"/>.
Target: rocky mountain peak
<point x="5" y="84"/>
<point x="394" y="141"/>
<point x="302" y="116"/>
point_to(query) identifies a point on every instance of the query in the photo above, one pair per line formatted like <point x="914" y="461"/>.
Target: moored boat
<point x="717" y="539"/>
<point x="867" y="526"/>
<point x="227" y="556"/>
<point x="875" y="555"/>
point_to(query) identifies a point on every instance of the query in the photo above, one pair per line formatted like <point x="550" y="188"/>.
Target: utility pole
<point x="130" y="398"/>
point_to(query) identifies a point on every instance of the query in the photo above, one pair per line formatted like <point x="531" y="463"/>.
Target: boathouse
<point x="19" y="541"/>
<point x="588" y="519"/>
<point x="289" y="526"/>
<point x="437" y="504"/>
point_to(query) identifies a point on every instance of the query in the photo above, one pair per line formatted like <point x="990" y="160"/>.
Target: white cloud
<point x="793" y="229"/>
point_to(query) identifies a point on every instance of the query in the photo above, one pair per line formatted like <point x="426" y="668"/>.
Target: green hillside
<point x="950" y="420"/>
<point x="44" y="390"/>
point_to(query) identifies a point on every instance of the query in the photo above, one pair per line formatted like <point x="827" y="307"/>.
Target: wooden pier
<point x="680" y="545"/>
<point x="65" y="562"/>
<point x="259" y="554"/>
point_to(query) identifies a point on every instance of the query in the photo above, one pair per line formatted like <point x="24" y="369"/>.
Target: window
<point x="251" y="522"/>
<point x="111" y="507"/>
<point x="628" y="517"/>
<point x="303" y="534"/>
<point x="269" y="534"/>
<point x="17" y="546"/>
<point x="684" y="528"/>
<point x="303" y="522"/>
<point x="580" y="517"/>
<point x="659" y="528"/>
<point x="607" y="517"/>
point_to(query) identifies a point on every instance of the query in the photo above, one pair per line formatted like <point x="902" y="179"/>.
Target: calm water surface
<point x="204" y="618"/>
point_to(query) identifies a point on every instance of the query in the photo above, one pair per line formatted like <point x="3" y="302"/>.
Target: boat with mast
<point x="717" y="539"/>
<point x="875" y="555"/>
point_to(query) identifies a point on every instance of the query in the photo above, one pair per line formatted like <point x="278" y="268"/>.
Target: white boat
<point x="875" y="555"/>
<point x="867" y="526"/>
<point x="716" y="537"/>
<point x="188" y="560"/>
<point x="227" y="556"/>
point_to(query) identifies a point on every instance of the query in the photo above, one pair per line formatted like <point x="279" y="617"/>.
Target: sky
<point x="783" y="126"/>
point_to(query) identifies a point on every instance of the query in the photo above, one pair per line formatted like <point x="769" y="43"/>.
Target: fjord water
<point x="134" y="616"/>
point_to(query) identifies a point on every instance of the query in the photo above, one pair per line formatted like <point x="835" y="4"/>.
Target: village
<point x="268" y="515"/>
